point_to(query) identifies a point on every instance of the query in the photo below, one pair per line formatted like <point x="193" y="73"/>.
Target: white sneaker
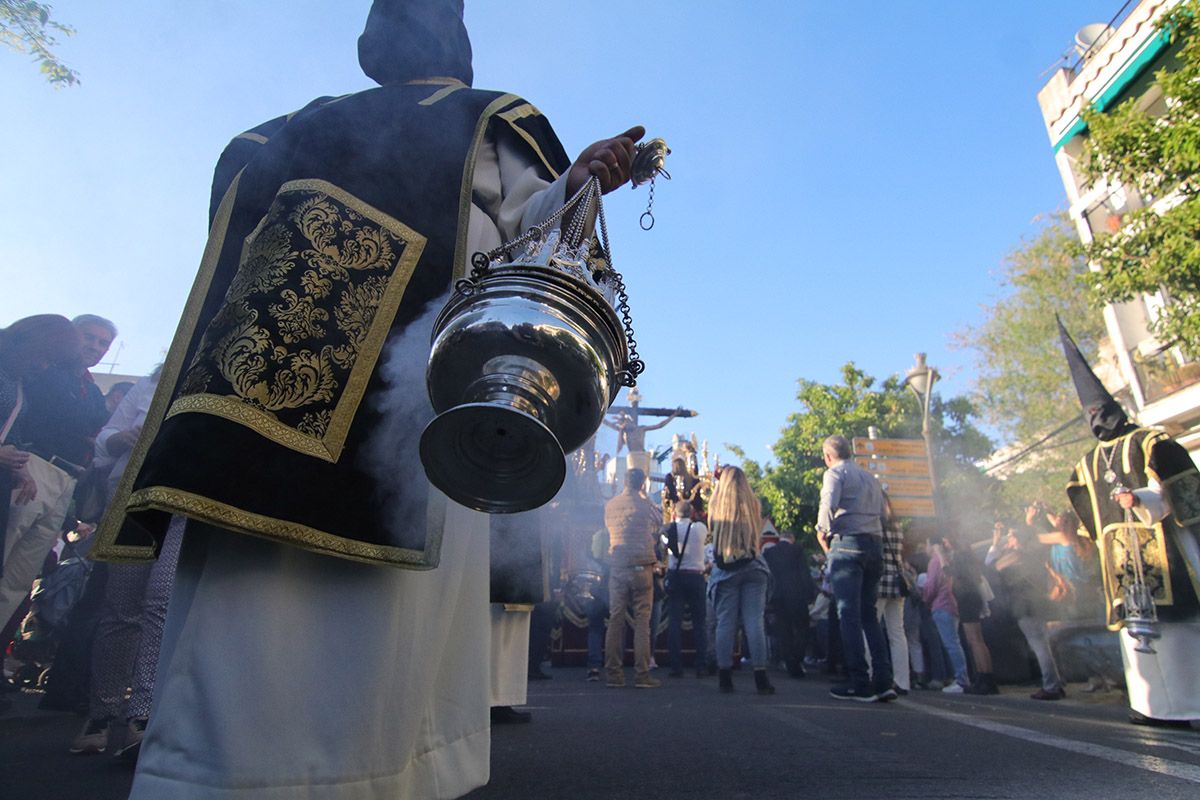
<point x="952" y="688"/>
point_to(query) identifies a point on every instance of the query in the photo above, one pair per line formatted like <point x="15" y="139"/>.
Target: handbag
<point x="59" y="590"/>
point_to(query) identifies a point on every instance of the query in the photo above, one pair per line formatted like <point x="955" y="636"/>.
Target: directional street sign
<point x="902" y="467"/>
<point x="904" y="448"/>
<point x="894" y="466"/>
<point x="904" y="486"/>
<point x="912" y="506"/>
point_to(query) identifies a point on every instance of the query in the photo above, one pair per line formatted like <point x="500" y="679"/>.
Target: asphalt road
<point x="687" y="740"/>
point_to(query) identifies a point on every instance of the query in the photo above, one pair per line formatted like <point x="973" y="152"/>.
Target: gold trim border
<point x="520" y="112"/>
<point x="223" y="515"/>
<point x="261" y="422"/>
<point x="468" y="181"/>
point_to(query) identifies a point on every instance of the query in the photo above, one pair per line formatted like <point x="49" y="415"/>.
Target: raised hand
<point x="610" y="160"/>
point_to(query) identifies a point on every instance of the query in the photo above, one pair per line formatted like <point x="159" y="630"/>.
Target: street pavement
<point x="687" y="740"/>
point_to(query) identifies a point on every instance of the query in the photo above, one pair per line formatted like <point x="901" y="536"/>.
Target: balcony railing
<point x="1107" y="215"/>
<point x="1164" y="373"/>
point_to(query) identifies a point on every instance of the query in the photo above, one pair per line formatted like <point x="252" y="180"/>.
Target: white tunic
<point x="1165" y="684"/>
<point x="286" y="674"/>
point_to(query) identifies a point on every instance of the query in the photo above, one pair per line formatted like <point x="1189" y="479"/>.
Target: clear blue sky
<point x="847" y="176"/>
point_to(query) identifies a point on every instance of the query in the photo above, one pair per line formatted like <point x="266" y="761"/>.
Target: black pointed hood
<point x="1103" y="413"/>
<point x="407" y="40"/>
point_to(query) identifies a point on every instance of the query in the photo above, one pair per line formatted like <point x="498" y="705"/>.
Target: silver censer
<point x="527" y="356"/>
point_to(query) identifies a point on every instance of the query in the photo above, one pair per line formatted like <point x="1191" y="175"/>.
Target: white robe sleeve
<point x="1152" y="507"/>
<point x="511" y="192"/>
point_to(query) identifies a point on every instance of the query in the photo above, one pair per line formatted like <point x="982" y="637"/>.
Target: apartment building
<point x="1110" y="63"/>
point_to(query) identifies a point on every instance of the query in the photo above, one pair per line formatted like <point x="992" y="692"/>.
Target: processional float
<point x="529" y="353"/>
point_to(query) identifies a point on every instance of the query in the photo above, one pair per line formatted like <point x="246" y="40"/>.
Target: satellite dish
<point x="1092" y="37"/>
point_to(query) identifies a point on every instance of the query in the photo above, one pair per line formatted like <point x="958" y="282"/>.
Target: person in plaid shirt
<point x="893" y="588"/>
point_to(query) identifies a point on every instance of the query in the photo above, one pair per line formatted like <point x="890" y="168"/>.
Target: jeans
<point x="947" y="626"/>
<point x="597" y="618"/>
<point x="855" y="566"/>
<point x="1035" y="634"/>
<point x="656" y="612"/>
<point x="743" y="594"/>
<point x="686" y="589"/>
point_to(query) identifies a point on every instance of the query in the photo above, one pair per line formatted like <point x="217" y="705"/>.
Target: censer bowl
<point x="522" y="368"/>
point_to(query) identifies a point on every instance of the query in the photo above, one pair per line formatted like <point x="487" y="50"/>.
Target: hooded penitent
<point x="409" y="39"/>
<point x="1103" y="413"/>
<point x="334" y="230"/>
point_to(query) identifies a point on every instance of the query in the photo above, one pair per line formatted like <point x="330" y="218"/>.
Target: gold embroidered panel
<point x="291" y="350"/>
<point x="1183" y="490"/>
<point x="1117" y="564"/>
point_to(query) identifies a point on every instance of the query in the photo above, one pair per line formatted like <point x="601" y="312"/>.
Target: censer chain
<point x="590" y="192"/>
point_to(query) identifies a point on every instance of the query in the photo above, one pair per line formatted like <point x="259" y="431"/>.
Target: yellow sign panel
<point x="913" y="506"/>
<point x="906" y="486"/>
<point x="893" y="466"/>
<point x="905" y="448"/>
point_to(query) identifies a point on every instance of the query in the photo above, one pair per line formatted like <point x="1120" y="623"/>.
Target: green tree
<point x="1023" y="388"/>
<point x="26" y="27"/>
<point x="790" y="487"/>
<point x="1155" y="249"/>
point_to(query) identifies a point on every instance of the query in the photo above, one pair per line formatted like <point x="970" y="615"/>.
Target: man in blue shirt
<point x="850" y="530"/>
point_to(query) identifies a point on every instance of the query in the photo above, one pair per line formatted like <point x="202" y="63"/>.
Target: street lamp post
<point x="920" y="378"/>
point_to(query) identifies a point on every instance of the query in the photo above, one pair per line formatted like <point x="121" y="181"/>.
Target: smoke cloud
<point x="392" y="456"/>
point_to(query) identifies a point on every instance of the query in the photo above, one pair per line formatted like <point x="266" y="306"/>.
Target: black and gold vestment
<point x="332" y="229"/>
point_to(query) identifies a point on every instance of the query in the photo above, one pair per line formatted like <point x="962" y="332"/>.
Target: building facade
<point x="1111" y="63"/>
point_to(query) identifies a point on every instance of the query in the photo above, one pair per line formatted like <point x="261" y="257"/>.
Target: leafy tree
<point x="1023" y="388"/>
<point x="26" y="27"/>
<point x="1158" y="155"/>
<point x="790" y="488"/>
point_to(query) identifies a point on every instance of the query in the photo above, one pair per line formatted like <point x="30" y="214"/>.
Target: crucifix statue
<point x="630" y="433"/>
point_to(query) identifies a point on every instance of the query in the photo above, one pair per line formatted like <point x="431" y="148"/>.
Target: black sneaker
<point x="593" y="675"/>
<point x="507" y="715"/>
<point x="847" y="692"/>
<point x="887" y="695"/>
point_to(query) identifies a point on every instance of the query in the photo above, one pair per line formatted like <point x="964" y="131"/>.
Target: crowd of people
<point x="273" y="496"/>
<point x="86" y="634"/>
<point x="880" y="608"/>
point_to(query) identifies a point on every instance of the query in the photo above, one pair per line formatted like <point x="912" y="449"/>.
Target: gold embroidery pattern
<point x="1117" y="564"/>
<point x="290" y="352"/>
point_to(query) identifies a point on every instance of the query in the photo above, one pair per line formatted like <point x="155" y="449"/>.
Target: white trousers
<point x="33" y="528"/>
<point x="891" y="614"/>
<point x="510" y="655"/>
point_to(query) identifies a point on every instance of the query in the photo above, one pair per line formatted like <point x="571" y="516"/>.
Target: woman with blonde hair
<point x="738" y="584"/>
